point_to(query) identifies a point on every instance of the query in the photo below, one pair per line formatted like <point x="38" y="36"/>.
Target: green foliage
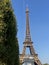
<point x="46" y="64"/>
<point x="9" y="48"/>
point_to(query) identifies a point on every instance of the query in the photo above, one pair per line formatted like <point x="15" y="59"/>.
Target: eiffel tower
<point x="28" y="43"/>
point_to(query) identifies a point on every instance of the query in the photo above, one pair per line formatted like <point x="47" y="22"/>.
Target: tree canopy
<point x="9" y="48"/>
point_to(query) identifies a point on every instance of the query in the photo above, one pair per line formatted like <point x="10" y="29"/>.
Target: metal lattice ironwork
<point x="28" y="43"/>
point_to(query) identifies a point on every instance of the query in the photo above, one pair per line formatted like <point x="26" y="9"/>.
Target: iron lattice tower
<point x="28" y="43"/>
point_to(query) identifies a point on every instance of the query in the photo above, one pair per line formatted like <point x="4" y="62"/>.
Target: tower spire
<point x="28" y="37"/>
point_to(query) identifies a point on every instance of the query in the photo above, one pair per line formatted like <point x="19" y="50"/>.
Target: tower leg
<point x="24" y="49"/>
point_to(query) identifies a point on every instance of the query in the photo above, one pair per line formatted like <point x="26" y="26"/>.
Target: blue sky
<point x="39" y="25"/>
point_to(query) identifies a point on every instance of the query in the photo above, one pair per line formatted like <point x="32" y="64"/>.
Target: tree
<point x="9" y="48"/>
<point x="46" y="64"/>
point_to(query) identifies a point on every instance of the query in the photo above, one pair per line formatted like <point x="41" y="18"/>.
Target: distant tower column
<point x="28" y="43"/>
